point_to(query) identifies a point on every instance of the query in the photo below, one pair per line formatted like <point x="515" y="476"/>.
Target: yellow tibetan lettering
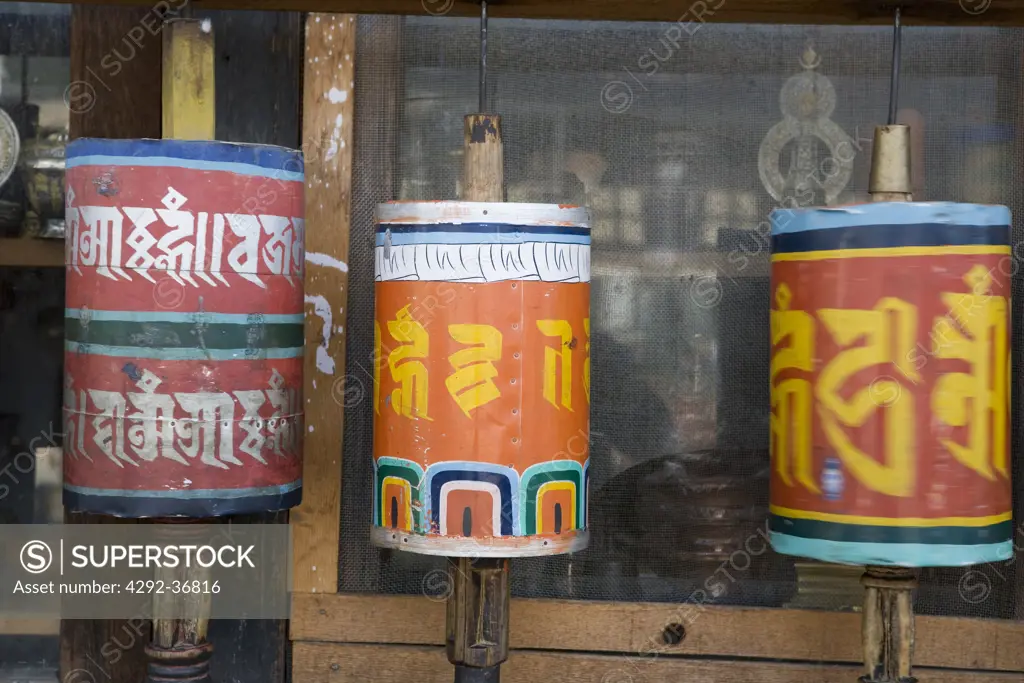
<point x="976" y="333"/>
<point x="586" y="361"/>
<point x="377" y="360"/>
<point x="410" y="398"/>
<point x="472" y="384"/>
<point x="561" y="330"/>
<point x="790" y="419"/>
<point x="885" y="335"/>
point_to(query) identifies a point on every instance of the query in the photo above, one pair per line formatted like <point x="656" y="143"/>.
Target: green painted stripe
<point x="864" y="533"/>
<point x="184" y="335"/>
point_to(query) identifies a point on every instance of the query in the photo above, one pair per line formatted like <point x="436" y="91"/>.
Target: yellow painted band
<point x="549" y="487"/>
<point x="891" y="521"/>
<point x="385" y="508"/>
<point x="953" y="250"/>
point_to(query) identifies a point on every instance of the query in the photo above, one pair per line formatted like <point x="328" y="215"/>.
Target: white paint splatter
<point x="332" y="150"/>
<point x="335" y="141"/>
<point x="324" y="362"/>
<point x="205" y="26"/>
<point x="327" y="261"/>
<point x="186" y="482"/>
<point x="337" y="96"/>
<point x="310" y="429"/>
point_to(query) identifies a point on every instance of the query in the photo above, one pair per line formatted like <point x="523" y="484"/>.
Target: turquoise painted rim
<point x="891" y="554"/>
<point x="888" y="213"/>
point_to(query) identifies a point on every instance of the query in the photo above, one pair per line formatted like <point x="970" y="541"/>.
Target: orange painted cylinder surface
<point x="481" y="378"/>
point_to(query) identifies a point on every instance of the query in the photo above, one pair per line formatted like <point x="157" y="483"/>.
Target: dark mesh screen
<point x="658" y="134"/>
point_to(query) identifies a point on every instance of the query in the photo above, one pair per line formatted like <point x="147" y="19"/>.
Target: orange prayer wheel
<point x="481" y="378"/>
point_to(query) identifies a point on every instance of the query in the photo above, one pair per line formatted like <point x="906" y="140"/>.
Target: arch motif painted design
<point x="396" y="494"/>
<point x="467" y="484"/>
<point x="546" y="485"/>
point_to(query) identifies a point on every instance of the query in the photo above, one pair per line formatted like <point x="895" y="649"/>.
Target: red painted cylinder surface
<point x="184" y="328"/>
<point x="890" y="378"/>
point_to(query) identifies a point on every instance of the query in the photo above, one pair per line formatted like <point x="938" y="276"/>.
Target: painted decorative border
<point x="518" y="497"/>
<point x="266" y="161"/>
<point x="888" y="213"/>
<point x="544" y="261"/>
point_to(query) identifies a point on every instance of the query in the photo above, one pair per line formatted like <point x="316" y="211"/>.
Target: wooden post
<point x="188" y="82"/>
<point x="887" y="628"/>
<point x="477" y="618"/>
<point x="483" y="177"/>
<point x="327" y="128"/>
<point x="180" y="649"/>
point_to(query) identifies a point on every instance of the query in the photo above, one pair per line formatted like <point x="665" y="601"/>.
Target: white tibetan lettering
<point x="278" y="251"/>
<point x="244" y="257"/>
<point x="74" y="419"/>
<point x="252" y="424"/>
<point x="152" y="433"/>
<point x="100" y="242"/>
<point x="177" y="244"/>
<point x="141" y="239"/>
<point x="109" y="425"/>
<point x="209" y="413"/>
<point x="280" y="426"/>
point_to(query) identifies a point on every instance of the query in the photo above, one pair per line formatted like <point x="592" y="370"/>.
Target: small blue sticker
<point x="832" y="479"/>
<point x="133" y="372"/>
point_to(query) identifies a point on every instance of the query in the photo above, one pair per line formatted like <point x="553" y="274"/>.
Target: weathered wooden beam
<point x="640" y="628"/>
<point x="687" y="13"/>
<point x="327" y="662"/>
<point x="327" y="129"/>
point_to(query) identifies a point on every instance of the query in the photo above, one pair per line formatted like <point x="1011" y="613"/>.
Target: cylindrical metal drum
<point x="481" y="378"/>
<point x="890" y="384"/>
<point x="184" y="328"/>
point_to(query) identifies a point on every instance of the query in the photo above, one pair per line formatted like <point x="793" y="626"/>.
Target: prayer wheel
<point x="184" y="328"/>
<point x="890" y="384"/>
<point x="481" y="378"/>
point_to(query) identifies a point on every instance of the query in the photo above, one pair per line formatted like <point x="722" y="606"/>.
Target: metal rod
<point x="894" y="78"/>
<point x="483" y="57"/>
<point x="471" y="674"/>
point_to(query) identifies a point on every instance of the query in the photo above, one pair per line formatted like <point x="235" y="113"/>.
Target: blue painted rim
<point x="891" y="554"/>
<point x="785" y="221"/>
<point x="479" y="233"/>
<point x="212" y="503"/>
<point x="204" y="154"/>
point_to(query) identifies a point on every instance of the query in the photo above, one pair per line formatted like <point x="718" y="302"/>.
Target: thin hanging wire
<point x="483" y="57"/>
<point x="894" y="77"/>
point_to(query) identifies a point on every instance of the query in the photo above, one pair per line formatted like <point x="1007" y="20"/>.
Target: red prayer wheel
<point x="184" y="328"/>
<point x="890" y="365"/>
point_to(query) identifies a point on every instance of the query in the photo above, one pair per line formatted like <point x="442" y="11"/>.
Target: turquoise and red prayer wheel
<point x="183" y="328"/>
<point x="890" y="401"/>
